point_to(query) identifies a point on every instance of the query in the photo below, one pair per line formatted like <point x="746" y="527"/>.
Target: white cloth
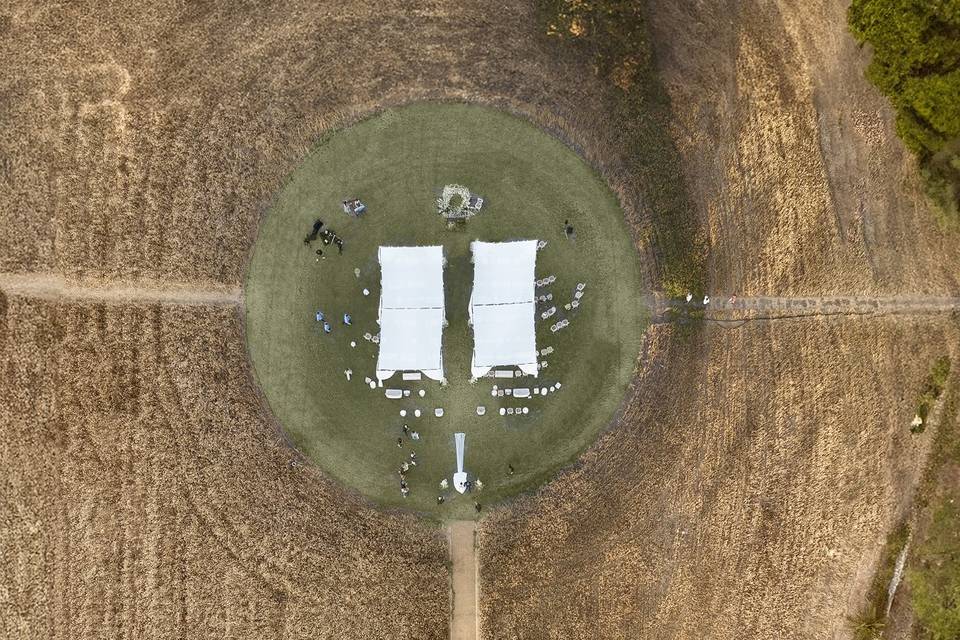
<point x="460" y="477"/>
<point x="411" y="311"/>
<point x="502" y="306"/>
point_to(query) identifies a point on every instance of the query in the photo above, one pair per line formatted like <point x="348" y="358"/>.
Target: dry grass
<point x="791" y="155"/>
<point x="145" y="141"/>
<point x="745" y="491"/>
<point x="146" y="494"/>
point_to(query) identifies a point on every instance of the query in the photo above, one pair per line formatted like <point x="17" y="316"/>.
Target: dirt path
<point x="463" y="624"/>
<point x="55" y="287"/>
<point x="739" y="310"/>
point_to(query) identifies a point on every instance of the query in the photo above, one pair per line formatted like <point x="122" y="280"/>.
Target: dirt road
<point x="463" y="625"/>
<point x="48" y="286"/>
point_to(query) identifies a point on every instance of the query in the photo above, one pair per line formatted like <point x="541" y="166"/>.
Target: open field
<point x="147" y="493"/>
<point x="531" y="184"/>
<point x="745" y="492"/>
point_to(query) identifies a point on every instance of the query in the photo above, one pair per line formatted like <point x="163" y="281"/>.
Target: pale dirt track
<point x="463" y="625"/>
<point x="47" y="286"/>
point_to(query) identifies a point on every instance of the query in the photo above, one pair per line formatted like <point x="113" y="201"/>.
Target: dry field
<point x="744" y="493"/>
<point x="790" y="153"/>
<point x="146" y="494"/>
<point x="746" y="488"/>
<point x="145" y="140"/>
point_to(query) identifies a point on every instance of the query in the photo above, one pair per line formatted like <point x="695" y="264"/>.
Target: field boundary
<point x="50" y="286"/>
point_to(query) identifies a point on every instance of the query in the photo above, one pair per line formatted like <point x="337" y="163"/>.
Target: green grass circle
<point x="397" y="162"/>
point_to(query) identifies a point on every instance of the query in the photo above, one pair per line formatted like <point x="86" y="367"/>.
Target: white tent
<point x="411" y="311"/>
<point x="503" y="306"/>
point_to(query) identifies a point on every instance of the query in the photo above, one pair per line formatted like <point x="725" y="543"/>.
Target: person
<point x="326" y="327"/>
<point x="444" y="484"/>
<point x="399" y="442"/>
<point x="406" y="429"/>
<point x="405" y="466"/>
<point x="413" y="457"/>
<point x="568" y="230"/>
<point x="479" y="485"/>
<point x="320" y="316"/>
<point x="404" y="491"/>
<point x="347" y="319"/>
<point x="439" y="499"/>
<point x="339" y="243"/>
<point x="510" y="469"/>
<point x="476" y="505"/>
<point x="414" y="435"/>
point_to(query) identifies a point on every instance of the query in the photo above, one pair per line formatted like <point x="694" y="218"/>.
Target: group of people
<point x="326" y="235"/>
<point x="409" y="464"/>
<point x="347" y="320"/>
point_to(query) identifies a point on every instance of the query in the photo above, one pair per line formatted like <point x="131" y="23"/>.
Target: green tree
<point x="916" y="63"/>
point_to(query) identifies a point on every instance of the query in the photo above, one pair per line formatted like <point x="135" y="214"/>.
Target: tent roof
<point x="411" y="277"/>
<point x="502" y="306"/>
<point x="504" y="335"/>
<point x="410" y="340"/>
<point x="411" y="311"/>
<point x="504" y="272"/>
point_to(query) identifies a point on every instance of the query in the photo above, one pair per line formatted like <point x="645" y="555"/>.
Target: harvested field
<point x="791" y="155"/>
<point x="146" y="141"/>
<point x="147" y="494"/>
<point x="742" y="495"/>
<point x="745" y="491"/>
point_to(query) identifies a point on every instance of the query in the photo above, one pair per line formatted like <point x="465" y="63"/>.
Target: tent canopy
<point x="503" y="272"/>
<point x="503" y="306"/>
<point x="411" y="277"/>
<point x="411" y="311"/>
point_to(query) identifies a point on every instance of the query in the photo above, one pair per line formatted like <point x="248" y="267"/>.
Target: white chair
<point x="416" y="413"/>
<point x="394" y="394"/>
<point x="510" y="411"/>
<point x="503" y="411"/>
<point x="438" y="412"/>
<point x="481" y="410"/>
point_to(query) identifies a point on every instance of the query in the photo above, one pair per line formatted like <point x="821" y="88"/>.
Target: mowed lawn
<point x="397" y="163"/>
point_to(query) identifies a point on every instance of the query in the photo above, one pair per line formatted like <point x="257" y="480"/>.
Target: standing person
<point x="509" y="469"/>
<point x="406" y="429"/>
<point x="476" y="505"/>
<point x="414" y="435"/>
<point x="568" y="230"/>
<point x="326" y="327"/>
<point x="400" y="442"/>
<point x="347" y="319"/>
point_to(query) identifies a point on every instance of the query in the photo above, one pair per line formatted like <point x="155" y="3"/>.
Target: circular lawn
<point x="397" y="163"/>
